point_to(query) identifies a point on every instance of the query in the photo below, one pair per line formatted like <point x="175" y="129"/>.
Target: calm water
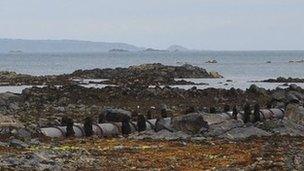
<point x="239" y="66"/>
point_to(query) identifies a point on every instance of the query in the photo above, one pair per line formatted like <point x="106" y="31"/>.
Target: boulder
<point x="278" y="95"/>
<point x="257" y="90"/>
<point x="295" y="113"/>
<point x="191" y="123"/>
<point x="288" y="127"/>
<point x="115" y="115"/>
<point x="216" y="118"/>
<point x="163" y="124"/>
<point x="294" y="87"/>
<point x="223" y="127"/>
<point x="291" y="98"/>
<point x="9" y="102"/>
<point x="215" y="75"/>
<point x="244" y="132"/>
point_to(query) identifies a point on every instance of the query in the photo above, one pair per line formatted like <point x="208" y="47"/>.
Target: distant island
<point x="118" y="50"/>
<point x="50" y="46"/>
<point x="75" y="46"/>
<point x="15" y="51"/>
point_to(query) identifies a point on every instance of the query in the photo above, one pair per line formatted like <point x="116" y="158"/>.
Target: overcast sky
<point x="199" y="24"/>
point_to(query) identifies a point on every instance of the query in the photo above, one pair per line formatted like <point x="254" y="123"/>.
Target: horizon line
<point x="138" y="46"/>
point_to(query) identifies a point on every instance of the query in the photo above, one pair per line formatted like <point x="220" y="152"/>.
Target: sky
<point x="195" y="24"/>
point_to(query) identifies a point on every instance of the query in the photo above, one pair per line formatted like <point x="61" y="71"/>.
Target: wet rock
<point x="285" y="80"/>
<point x="212" y="61"/>
<point x="257" y="90"/>
<point x="146" y="74"/>
<point x="244" y="132"/>
<point x="294" y="87"/>
<point x="223" y="127"/>
<point x="190" y="123"/>
<point x="215" y="75"/>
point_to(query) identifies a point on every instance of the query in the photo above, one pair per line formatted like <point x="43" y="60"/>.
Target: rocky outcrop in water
<point x="147" y="74"/>
<point x="13" y="79"/>
<point x="284" y="80"/>
<point x="144" y="75"/>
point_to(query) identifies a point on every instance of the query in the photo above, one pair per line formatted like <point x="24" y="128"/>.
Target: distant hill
<point x="14" y="45"/>
<point x="174" y="48"/>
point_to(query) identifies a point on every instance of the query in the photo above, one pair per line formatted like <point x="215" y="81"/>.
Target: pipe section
<point x="101" y="130"/>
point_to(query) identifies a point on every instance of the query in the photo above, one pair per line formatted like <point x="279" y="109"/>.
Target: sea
<point x="242" y="67"/>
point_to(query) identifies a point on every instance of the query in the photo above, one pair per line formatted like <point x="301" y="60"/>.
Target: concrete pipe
<point x="107" y="129"/>
<point x="101" y="130"/>
<point x="266" y="114"/>
<point x="60" y="131"/>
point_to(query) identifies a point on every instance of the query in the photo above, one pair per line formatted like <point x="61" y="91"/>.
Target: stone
<point x="215" y="74"/>
<point x="190" y="123"/>
<point x="244" y="132"/>
<point x="292" y="98"/>
<point x="294" y="87"/>
<point x="23" y="133"/>
<point x="162" y="123"/>
<point x="288" y="127"/>
<point x="115" y="115"/>
<point x="278" y="95"/>
<point x="216" y="118"/>
<point x="18" y="143"/>
<point x="223" y="127"/>
<point x="295" y="113"/>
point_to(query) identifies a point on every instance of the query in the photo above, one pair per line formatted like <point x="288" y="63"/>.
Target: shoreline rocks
<point x="145" y="74"/>
<point x="284" y="80"/>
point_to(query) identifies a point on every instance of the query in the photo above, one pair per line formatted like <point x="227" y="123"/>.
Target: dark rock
<point x="223" y="127"/>
<point x="162" y="123"/>
<point x="190" y="123"/>
<point x="115" y="115"/>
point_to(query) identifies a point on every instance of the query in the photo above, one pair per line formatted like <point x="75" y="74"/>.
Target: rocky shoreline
<point x="146" y="74"/>
<point x="284" y="80"/>
<point x="202" y="122"/>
